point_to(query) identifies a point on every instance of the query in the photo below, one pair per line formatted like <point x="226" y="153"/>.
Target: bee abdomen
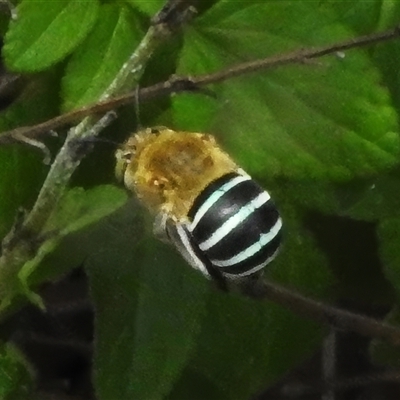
<point x="236" y="225"/>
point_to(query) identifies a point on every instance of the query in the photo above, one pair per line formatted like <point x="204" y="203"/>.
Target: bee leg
<point x="160" y="227"/>
<point x="216" y="276"/>
<point x="168" y="231"/>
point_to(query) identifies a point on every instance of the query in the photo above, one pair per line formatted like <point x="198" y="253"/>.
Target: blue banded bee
<point x="220" y="220"/>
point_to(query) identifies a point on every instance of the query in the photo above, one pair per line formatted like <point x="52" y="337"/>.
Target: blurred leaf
<point x="98" y="59"/>
<point x="16" y="378"/>
<point x="314" y="194"/>
<point x="301" y="263"/>
<point x="362" y="16"/>
<point x="194" y="386"/>
<point x="387" y="54"/>
<point x="245" y="346"/>
<point x="78" y="208"/>
<point x="37" y="101"/>
<point x="352" y="248"/>
<point x="20" y="174"/>
<point x="21" y="167"/>
<point x="43" y="35"/>
<point x="147" y="7"/>
<point x="368" y="199"/>
<point x="310" y="121"/>
<point x="4" y="21"/>
<point x="192" y="111"/>
<point x="142" y="348"/>
<point x="379" y="199"/>
<point x="152" y="7"/>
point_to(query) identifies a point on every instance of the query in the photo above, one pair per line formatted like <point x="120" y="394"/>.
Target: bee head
<point x="131" y="149"/>
<point x="124" y="156"/>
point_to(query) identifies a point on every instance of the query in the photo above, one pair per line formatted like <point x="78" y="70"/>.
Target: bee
<point x="219" y="219"/>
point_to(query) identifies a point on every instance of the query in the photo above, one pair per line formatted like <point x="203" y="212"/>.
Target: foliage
<point x="322" y="136"/>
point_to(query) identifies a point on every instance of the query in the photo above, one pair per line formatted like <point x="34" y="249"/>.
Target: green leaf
<point x="16" y="377"/>
<point x="147" y="7"/>
<point x="301" y="262"/>
<point x="195" y="386"/>
<point x="4" y="23"/>
<point x="45" y="33"/>
<point x="367" y="199"/>
<point x="21" y="167"/>
<point x="95" y="64"/>
<point x="245" y="346"/>
<point x="378" y="198"/>
<point x="388" y="54"/>
<point x="362" y="16"/>
<point x="309" y="121"/>
<point x="78" y="209"/>
<point x="388" y="13"/>
<point x="142" y="348"/>
<point x="20" y="174"/>
<point x="193" y="111"/>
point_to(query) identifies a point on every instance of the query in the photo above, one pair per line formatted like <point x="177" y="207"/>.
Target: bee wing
<point x="160" y="227"/>
<point x="177" y="234"/>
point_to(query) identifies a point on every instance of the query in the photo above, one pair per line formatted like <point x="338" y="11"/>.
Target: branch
<point x="193" y="84"/>
<point x="323" y="313"/>
<point x="299" y="56"/>
<point x="315" y="388"/>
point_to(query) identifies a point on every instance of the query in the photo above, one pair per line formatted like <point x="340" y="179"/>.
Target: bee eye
<point x="160" y="183"/>
<point x="127" y="156"/>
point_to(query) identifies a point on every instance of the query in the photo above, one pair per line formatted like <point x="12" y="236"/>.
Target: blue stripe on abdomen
<point x="261" y="253"/>
<point x="259" y="222"/>
<point x="227" y="206"/>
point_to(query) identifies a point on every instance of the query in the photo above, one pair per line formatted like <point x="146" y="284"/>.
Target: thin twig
<point x="299" y="56"/>
<point x="339" y="385"/>
<point x="324" y="313"/>
<point x="185" y="84"/>
<point x="38" y="144"/>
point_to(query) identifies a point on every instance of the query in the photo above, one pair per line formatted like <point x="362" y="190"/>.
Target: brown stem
<point x="324" y="313"/>
<point x="313" y="389"/>
<point x="298" y="56"/>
